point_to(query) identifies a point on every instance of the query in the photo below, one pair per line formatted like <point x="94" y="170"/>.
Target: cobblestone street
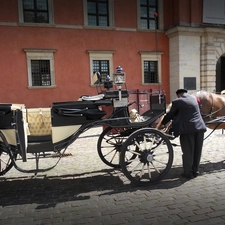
<point x="81" y="189"/>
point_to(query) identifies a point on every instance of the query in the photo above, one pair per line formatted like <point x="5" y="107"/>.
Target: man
<point x="189" y="125"/>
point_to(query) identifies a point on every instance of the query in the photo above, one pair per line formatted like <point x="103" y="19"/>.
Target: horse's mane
<point x="201" y="94"/>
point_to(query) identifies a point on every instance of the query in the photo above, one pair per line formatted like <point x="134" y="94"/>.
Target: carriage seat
<point x="39" y="121"/>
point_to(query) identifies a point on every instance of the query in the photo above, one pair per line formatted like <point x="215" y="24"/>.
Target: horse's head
<point x="211" y="107"/>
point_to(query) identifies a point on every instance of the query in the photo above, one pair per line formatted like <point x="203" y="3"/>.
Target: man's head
<point x="180" y="92"/>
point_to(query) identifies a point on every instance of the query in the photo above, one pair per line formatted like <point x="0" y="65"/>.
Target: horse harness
<point x="211" y="110"/>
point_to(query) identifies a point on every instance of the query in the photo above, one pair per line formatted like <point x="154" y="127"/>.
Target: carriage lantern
<point x="119" y="78"/>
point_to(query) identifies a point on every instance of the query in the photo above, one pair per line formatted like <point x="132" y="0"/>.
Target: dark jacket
<point x="186" y="116"/>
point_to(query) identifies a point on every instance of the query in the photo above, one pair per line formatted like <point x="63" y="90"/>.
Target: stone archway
<point x="213" y="60"/>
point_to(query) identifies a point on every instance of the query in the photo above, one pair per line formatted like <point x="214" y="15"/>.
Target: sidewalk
<point x="81" y="189"/>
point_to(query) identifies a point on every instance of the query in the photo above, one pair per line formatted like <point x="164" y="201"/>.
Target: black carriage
<point x="128" y="141"/>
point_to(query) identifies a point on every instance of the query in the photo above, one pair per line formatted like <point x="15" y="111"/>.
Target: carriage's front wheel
<point x="154" y="156"/>
<point x="5" y="161"/>
<point x="110" y="144"/>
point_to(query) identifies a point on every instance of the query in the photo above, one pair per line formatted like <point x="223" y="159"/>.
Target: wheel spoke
<point x="108" y="153"/>
<point x="149" y="172"/>
<point x="139" y="163"/>
<point x="113" y="156"/>
<point x="155" y="167"/>
<point x="145" y="144"/>
<point x="137" y="144"/>
<point x="162" y="163"/>
<point x="151" y="142"/>
<point x="134" y="152"/>
<point x="142" y="170"/>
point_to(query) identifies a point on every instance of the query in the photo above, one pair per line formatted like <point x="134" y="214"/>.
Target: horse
<point x="212" y="109"/>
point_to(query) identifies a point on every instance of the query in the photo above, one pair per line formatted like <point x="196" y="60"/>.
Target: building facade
<point x="50" y="49"/>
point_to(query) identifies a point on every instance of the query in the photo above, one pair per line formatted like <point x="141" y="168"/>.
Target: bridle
<point x="211" y="113"/>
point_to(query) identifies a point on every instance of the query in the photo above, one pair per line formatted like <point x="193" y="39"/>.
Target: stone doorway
<point x="220" y="74"/>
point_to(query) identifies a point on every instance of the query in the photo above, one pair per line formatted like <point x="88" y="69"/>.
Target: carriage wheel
<point x="154" y="156"/>
<point x="110" y="144"/>
<point x="5" y="161"/>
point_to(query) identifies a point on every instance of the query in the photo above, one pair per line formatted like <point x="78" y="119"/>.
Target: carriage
<point x="129" y="141"/>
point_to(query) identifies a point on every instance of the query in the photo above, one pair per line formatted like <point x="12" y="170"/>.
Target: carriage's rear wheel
<point x="154" y="156"/>
<point x="110" y="144"/>
<point x="5" y="161"/>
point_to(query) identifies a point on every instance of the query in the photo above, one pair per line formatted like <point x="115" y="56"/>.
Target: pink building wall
<point x="71" y="59"/>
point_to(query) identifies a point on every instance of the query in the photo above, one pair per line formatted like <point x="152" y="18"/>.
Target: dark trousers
<point x="191" y="145"/>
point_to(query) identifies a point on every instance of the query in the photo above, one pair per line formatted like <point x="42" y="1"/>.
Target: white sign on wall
<point x="214" y="11"/>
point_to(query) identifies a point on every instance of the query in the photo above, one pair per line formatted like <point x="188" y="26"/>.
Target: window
<point x="40" y="72"/>
<point x="98" y="13"/>
<point x="151" y="67"/>
<point x="101" y="66"/>
<point x="151" y="72"/>
<point x="40" y="65"/>
<point x="36" y="11"/>
<point x="147" y="8"/>
<point x="101" y="61"/>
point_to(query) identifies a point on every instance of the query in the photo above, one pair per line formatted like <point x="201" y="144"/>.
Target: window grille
<point x="101" y="66"/>
<point x="151" y="72"/>
<point x="40" y="70"/>
<point x="147" y="10"/>
<point x="98" y="14"/>
<point x="35" y="11"/>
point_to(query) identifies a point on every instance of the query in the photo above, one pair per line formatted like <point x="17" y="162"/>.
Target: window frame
<point x="40" y="54"/>
<point x="100" y="55"/>
<point x="160" y="25"/>
<point x="50" y="13"/>
<point x="151" y="56"/>
<point x="110" y="14"/>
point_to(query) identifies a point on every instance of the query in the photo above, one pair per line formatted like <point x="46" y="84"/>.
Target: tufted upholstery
<point x="39" y="121"/>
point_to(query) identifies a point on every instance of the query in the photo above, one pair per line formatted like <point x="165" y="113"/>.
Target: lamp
<point x="119" y="77"/>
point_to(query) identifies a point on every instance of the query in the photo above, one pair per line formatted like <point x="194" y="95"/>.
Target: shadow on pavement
<point x="48" y="191"/>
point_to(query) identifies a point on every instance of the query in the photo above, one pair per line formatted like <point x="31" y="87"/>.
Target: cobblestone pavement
<point x="81" y="189"/>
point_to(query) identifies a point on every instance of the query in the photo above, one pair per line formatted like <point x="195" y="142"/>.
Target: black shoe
<point x="195" y="174"/>
<point x="187" y="176"/>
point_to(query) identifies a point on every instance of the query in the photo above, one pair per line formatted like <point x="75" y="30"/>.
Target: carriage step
<point x="61" y="155"/>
